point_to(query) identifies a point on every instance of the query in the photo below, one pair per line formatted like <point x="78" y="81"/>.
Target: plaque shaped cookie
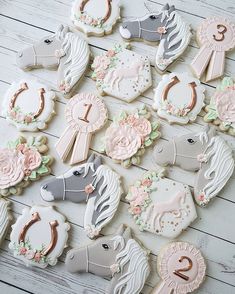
<point x="5" y="218"/>
<point x="29" y="105"/>
<point x="21" y="162"/>
<point x="221" y="110"/>
<point x="128" y="135"/>
<point x="179" y="98"/>
<point x="166" y="27"/>
<point x="181" y="267"/>
<point x="39" y="236"/>
<point x="122" y="73"/>
<point x="160" y="205"/>
<point x="95" y="17"/>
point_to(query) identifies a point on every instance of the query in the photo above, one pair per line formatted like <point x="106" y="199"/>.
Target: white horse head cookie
<point x="203" y="152"/>
<point x="39" y="236"/>
<point x="5" y="218"/>
<point x="66" y="50"/>
<point x="161" y="206"/>
<point x="118" y="256"/>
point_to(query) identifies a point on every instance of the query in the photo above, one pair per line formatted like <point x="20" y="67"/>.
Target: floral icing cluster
<point x="203" y="201"/>
<point x="17" y="115"/>
<point x="92" y="231"/>
<point x="85" y="18"/>
<point x="171" y="109"/>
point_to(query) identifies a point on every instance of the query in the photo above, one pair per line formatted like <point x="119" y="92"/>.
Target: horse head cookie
<point x="181" y="267"/>
<point x="203" y="152"/>
<point x="39" y="236"/>
<point x="65" y="50"/>
<point x="93" y="183"/>
<point x="118" y="256"/>
<point x="161" y="206"/>
<point x="5" y="218"/>
<point x="166" y="27"/>
<point x="215" y="35"/>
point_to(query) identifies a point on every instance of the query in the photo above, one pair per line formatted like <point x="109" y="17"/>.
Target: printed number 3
<point x="220" y="33"/>
<point x="88" y="108"/>
<point x="178" y="272"/>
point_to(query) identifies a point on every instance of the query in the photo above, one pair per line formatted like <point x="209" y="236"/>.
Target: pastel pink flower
<point x="30" y="254"/>
<point x="202" y="157"/>
<point x="23" y="250"/>
<point x="89" y="189"/>
<point x="136" y="210"/>
<point x="28" y="119"/>
<point x="201" y="197"/>
<point x="111" y="53"/>
<point x="20" y="117"/>
<point x="22" y="148"/>
<point x="101" y="63"/>
<point x="161" y="30"/>
<point x="37" y="257"/>
<point x="131" y="119"/>
<point x="138" y="192"/>
<point x="100" y="75"/>
<point x="142" y="126"/>
<point x="13" y="114"/>
<point x="33" y="159"/>
<point x="146" y="182"/>
<point x="225" y="105"/>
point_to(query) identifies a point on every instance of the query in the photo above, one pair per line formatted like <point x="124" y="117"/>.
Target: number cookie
<point x="215" y="35"/>
<point x="161" y="206"/>
<point x="179" y="98"/>
<point x="181" y="267"/>
<point x="122" y="73"/>
<point x="5" y="218"/>
<point x="39" y="236"/>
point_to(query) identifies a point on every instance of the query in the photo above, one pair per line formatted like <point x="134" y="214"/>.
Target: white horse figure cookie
<point x="66" y="50"/>
<point x="5" y="218"/>
<point x="118" y="256"/>
<point x="203" y="152"/>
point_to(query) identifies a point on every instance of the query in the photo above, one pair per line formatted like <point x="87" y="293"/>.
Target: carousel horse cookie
<point x="64" y="50"/>
<point x="166" y="27"/>
<point x="122" y="73"/>
<point x="39" y="236"/>
<point x="22" y="162"/>
<point x="182" y="268"/>
<point x="93" y="183"/>
<point x="119" y="257"/>
<point x="221" y="110"/>
<point x="216" y="36"/>
<point x="160" y="205"/>
<point x="205" y="153"/>
<point x="96" y="17"/>
<point x="29" y="105"/>
<point x="128" y="135"/>
<point x="5" y="218"/>
<point x="179" y="98"/>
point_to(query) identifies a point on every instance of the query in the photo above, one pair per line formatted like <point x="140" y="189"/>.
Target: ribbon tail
<point x="201" y="61"/>
<point x="216" y="66"/>
<point x="162" y="288"/>
<point x="81" y="147"/>
<point x="65" y="143"/>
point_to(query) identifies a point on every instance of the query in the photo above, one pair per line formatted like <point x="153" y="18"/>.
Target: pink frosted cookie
<point x="181" y="267"/>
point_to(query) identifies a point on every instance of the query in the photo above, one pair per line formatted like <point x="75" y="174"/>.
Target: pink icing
<point x="101" y="62"/>
<point x="32" y="160"/>
<point x="139" y="195"/>
<point x="225" y="105"/>
<point x="142" y="126"/>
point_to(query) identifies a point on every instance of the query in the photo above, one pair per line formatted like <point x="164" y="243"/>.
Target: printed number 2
<point x="220" y="33"/>
<point x="88" y="108"/>
<point x="178" y="272"/>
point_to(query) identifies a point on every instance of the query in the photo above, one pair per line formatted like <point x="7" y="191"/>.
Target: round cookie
<point x="5" y="218"/>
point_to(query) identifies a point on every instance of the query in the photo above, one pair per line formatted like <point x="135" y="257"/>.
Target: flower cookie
<point x="29" y="105"/>
<point x="179" y="98"/>
<point x="221" y="110"/>
<point x="128" y="136"/>
<point x="161" y="206"/>
<point x="181" y="267"/>
<point x="5" y="218"/>
<point x="122" y="73"/>
<point x="215" y="35"/>
<point x="95" y="17"/>
<point x="21" y="162"/>
<point x="39" y="236"/>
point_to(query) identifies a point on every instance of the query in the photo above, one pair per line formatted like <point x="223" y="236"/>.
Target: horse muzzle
<point x="45" y="193"/>
<point x="163" y="153"/>
<point x="125" y="33"/>
<point x="25" y="58"/>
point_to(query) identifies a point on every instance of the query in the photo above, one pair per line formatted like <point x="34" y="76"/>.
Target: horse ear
<point x="211" y="132"/>
<point x="127" y="234"/>
<point x="97" y="161"/>
<point x="120" y="230"/>
<point x="166" y="7"/>
<point x="62" y="31"/>
<point x="91" y="158"/>
<point x="171" y="9"/>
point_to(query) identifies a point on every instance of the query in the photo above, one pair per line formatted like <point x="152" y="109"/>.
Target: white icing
<point x="5" y="218"/>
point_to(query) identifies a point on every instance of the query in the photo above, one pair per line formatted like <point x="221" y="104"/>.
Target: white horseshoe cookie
<point x="5" y="218"/>
<point x="179" y="98"/>
<point x="39" y="236"/>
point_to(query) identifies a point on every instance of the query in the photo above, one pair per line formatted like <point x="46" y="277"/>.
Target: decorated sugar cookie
<point x="119" y="257"/>
<point x="181" y="267"/>
<point x="205" y="153"/>
<point x="85" y="114"/>
<point x="95" y="17"/>
<point x="21" y="162"/>
<point x="179" y="98"/>
<point x="39" y="236"/>
<point x="64" y="50"/>
<point x="29" y="105"/>
<point x="215" y="35"/>
<point x="128" y="135"/>
<point x="161" y="206"/>
<point x="166" y="27"/>
<point x="93" y="183"/>
<point x="221" y="110"/>
<point x="5" y="218"/>
<point x="122" y="73"/>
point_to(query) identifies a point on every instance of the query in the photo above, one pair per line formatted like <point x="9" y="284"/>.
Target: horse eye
<point x="47" y="41"/>
<point x="153" y="17"/>
<point x="105" y="246"/>
<point x="76" y="173"/>
<point x="191" y="141"/>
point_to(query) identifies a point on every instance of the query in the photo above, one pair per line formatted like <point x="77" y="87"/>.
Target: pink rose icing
<point x="142" y="126"/>
<point x="32" y="159"/>
<point x="101" y="62"/>
<point x="225" y="104"/>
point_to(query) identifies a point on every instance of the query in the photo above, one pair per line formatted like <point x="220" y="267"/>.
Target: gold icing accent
<point x="84" y="118"/>
<point x="219" y="26"/>
<point x="184" y="269"/>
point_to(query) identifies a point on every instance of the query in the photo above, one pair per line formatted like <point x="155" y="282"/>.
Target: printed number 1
<point x="178" y="272"/>
<point x="220" y="33"/>
<point x="88" y="108"/>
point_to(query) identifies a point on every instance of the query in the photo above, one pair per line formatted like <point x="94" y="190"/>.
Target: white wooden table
<point x="25" y="21"/>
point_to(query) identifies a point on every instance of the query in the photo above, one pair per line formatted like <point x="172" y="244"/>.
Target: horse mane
<point x="4" y="217"/>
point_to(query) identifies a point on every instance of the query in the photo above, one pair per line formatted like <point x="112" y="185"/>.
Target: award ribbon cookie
<point x="128" y="135"/>
<point x="166" y="27"/>
<point x="85" y="114"/>
<point x="179" y="98"/>
<point x="181" y="267"/>
<point x="95" y="17"/>
<point x="161" y="206"/>
<point x="5" y="218"/>
<point x="93" y="183"/>
<point x="202" y="152"/>
<point x="115" y="256"/>
<point x="221" y="110"/>
<point x="215" y="35"/>
<point x="122" y="73"/>
<point x="21" y="162"/>
<point x="39" y="236"/>
<point x="29" y="105"/>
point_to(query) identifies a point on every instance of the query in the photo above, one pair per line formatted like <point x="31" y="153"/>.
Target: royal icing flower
<point x="201" y="197"/>
<point x="89" y="189"/>
<point x="22" y="250"/>
<point x="92" y="232"/>
<point x="115" y="268"/>
<point x="22" y="148"/>
<point x="37" y="256"/>
<point x="32" y="160"/>
<point x="161" y="30"/>
<point x="100" y="75"/>
<point x="28" y="119"/>
<point x="142" y="126"/>
<point x="111" y="53"/>
<point x="136" y="210"/>
<point x="101" y="62"/>
<point x="202" y="158"/>
<point x="225" y="105"/>
<point x="146" y="182"/>
<point x="30" y="254"/>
